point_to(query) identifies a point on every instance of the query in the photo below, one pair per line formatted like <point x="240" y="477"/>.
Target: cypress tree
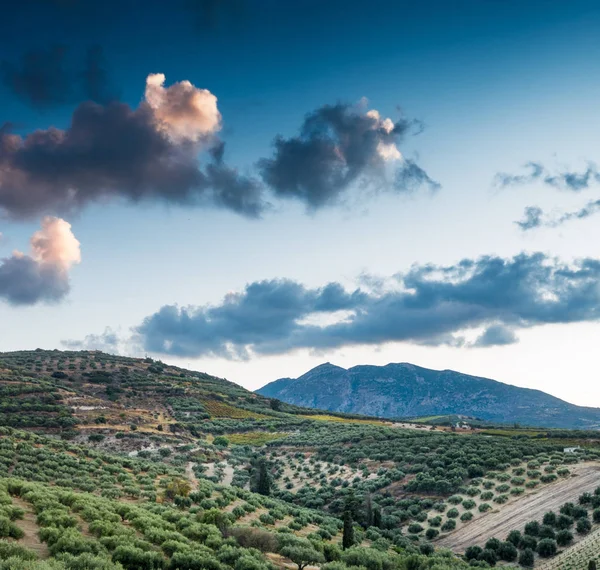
<point x="348" y="534"/>
<point x="263" y="484"/>
<point x="377" y="518"/>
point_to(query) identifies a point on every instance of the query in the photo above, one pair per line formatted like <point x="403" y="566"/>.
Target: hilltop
<point x="405" y="390"/>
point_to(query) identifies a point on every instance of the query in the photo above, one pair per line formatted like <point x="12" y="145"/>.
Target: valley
<point x="153" y="466"/>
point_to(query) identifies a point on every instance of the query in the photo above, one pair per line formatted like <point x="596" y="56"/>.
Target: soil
<point x="500" y="522"/>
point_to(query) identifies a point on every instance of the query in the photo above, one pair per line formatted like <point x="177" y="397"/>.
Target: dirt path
<point x="189" y="472"/>
<point x="30" y="527"/>
<point x="514" y="516"/>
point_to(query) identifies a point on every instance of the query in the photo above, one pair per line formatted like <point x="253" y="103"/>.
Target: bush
<point x="546" y="547"/>
<point x="508" y="552"/>
<point x="546" y="532"/>
<point x="514" y="537"/>
<point x="473" y="552"/>
<point x="583" y="525"/>
<point x="489" y="556"/>
<point x="527" y="558"/>
<point x="564" y="537"/>
<point x="449" y="525"/>
<point x="452" y="514"/>
<point x="431" y="533"/>
<point x="252" y="537"/>
<point x="532" y="528"/>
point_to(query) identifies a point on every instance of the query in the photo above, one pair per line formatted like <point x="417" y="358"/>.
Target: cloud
<point x="183" y="111"/>
<point x="214" y="14"/>
<point x="429" y="305"/>
<point x="112" y="152"/>
<point x="566" y="180"/>
<point x="108" y="341"/>
<point x="95" y="79"/>
<point x="496" y="335"/>
<point x="44" y="79"/>
<point x="532" y="218"/>
<point x="340" y="145"/>
<point x="42" y="275"/>
<point x="41" y="78"/>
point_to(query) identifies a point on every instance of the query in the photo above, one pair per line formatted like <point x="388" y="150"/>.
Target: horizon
<point x="245" y="188"/>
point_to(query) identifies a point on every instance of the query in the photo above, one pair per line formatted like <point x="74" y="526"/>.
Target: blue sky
<point x="495" y="84"/>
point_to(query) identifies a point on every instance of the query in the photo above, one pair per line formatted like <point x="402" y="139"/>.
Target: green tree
<point x="348" y="532"/>
<point x="302" y="555"/>
<point x="527" y="558"/>
<point x="263" y="483"/>
<point x="377" y="517"/>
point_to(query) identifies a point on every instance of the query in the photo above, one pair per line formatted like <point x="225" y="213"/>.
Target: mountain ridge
<point x="403" y="389"/>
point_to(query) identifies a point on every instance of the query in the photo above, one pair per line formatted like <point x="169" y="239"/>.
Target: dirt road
<point x="514" y="516"/>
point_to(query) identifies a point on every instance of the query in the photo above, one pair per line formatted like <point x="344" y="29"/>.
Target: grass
<point x="221" y="410"/>
<point x="513" y="432"/>
<point x="255" y="437"/>
<point x="328" y="418"/>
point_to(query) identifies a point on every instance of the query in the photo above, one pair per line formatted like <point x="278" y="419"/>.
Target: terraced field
<point x="499" y="523"/>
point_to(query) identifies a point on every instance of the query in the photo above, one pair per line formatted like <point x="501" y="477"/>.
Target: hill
<point x="404" y="390"/>
<point x="135" y="464"/>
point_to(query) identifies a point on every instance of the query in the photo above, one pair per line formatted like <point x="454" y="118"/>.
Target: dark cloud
<point x="496" y="335"/>
<point x="95" y="78"/>
<point x="45" y="78"/>
<point x="108" y="341"/>
<point x="567" y="180"/>
<point x="410" y="177"/>
<point x="211" y="15"/>
<point x="339" y="145"/>
<point x="532" y="218"/>
<point x="41" y="78"/>
<point x="588" y="210"/>
<point x="112" y="151"/>
<point x="429" y="305"/>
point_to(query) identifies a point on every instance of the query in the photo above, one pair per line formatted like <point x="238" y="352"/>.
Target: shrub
<point x="251" y="537"/>
<point x="564" y="537"/>
<point x="546" y="547"/>
<point x="473" y="552"/>
<point x="583" y="525"/>
<point x="449" y="525"/>
<point x="532" y="528"/>
<point x="508" y="552"/>
<point x="527" y="558"/>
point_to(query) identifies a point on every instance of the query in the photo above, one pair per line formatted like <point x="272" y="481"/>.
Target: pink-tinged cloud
<point x="43" y="274"/>
<point x="183" y="111"/>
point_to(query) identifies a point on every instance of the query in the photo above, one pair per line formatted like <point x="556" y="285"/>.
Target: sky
<point x="254" y="187"/>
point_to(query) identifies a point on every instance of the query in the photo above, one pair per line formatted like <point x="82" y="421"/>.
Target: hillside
<point x="135" y="464"/>
<point x="404" y="390"/>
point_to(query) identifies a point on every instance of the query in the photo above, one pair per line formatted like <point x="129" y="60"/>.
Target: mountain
<point x="405" y="390"/>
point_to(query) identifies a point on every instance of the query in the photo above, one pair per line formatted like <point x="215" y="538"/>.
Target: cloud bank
<point x="43" y="274"/>
<point x="429" y="305"/>
<point x="112" y="151"/>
